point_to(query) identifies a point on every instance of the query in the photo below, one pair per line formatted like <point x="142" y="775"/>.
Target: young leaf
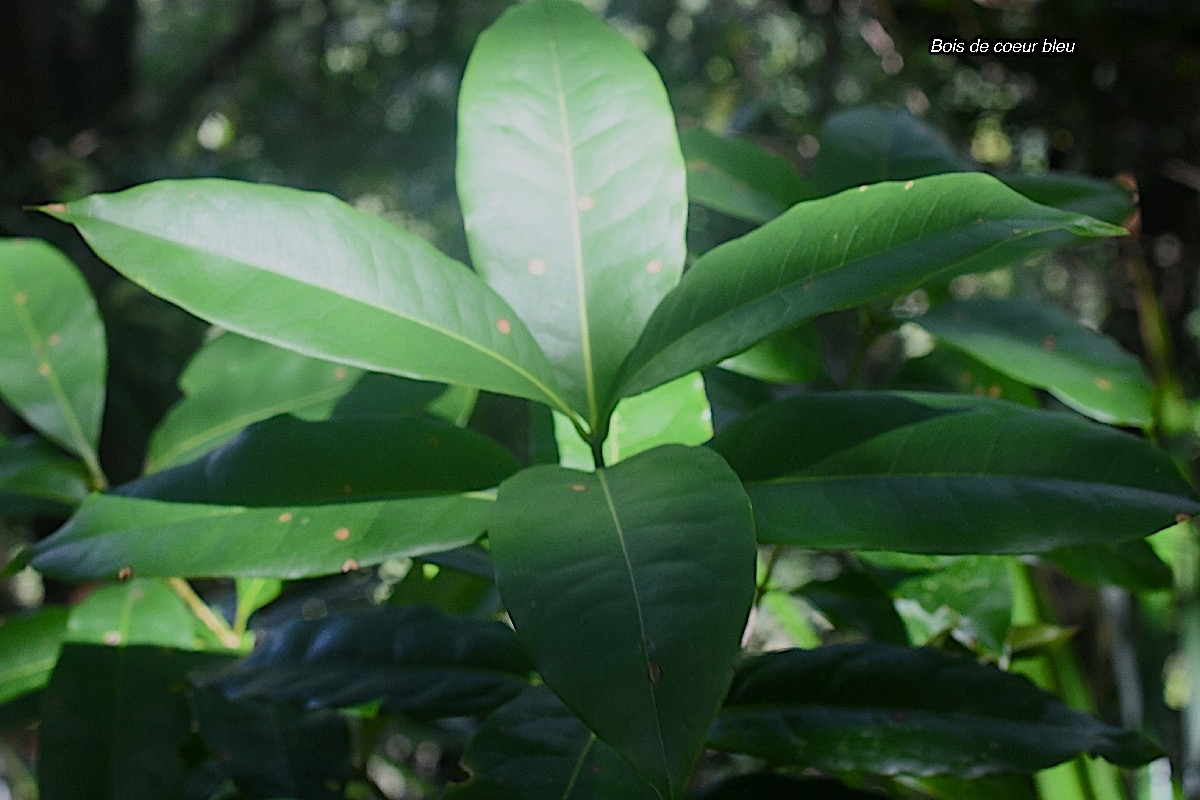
<point x="1041" y="345"/>
<point x="739" y="178"/>
<point x="836" y="252"/>
<point x="612" y="577"/>
<point x="928" y="473"/>
<point x="534" y="748"/>
<point x="573" y="194"/>
<point x="418" y="661"/>
<point x="29" y="647"/>
<point x="309" y="273"/>
<point x="52" y="356"/>
<point x="888" y="710"/>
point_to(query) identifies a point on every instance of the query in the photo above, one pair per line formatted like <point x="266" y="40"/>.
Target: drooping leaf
<point x="29" y="647"/>
<point x="275" y="750"/>
<point x="1103" y="199"/>
<point x="929" y="473"/>
<point x="972" y="595"/>
<point x="1132" y="565"/>
<point x="872" y="143"/>
<point x="837" y="252"/>
<point x="573" y="193"/>
<point x="739" y="178"/>
<point x="137" y="612"/>
<point x="113" y="722"/>
<point x="612" y="577"/>
<point x="309" y="273"/>
<point x="534" y="748"/>
<point x="233" y="382"/>
<point x="36" y="480"/>
<point x="887" y="710"/>
<point x="1041" y="345"/>
<point x="674" y="413"/>
<point x="114" y="536"/>
<point x="52" y="353"/>
<point x="418" y="661"/>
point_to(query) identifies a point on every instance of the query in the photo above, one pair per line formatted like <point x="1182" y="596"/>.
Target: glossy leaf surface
<point x="837" y="252"/>
<point x="29" y="646"/>
<point x="573" y="193"/>
<point x="930" y="473"/>
<point x="612" y="577"/>
<point x="739" y="178"/>
<point x="113" y="723"/>
<point x="534" y="748"/>
<point x="418" y="661"/>
<point x="267" y="261"/>
<point x="888" y="710"/>
<point x="1041" y="345"/>
<point x="52" y="353"/>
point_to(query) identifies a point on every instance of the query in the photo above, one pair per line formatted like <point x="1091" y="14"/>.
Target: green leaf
<point x="872" y="143"/>
<point x="929" y="473"/>
<point x="52" y="356"/>
<point x="887" y="710"/>
<point x="270" y="750"/>
<point x="113" y="721"/>
<point x="769" y="786"/>
<point x="573" y="194"/>
<point x="267" y="261"/>
<point x="113" y="536"/>
<point x="533" y="748"/>
<point x="674" y="413"/>
<point x="612" y="577"/>
<point x="947" y="369"/>
<point x="253" y="594"/>
<point x="233" y="382"/>
<point x="1132" y="565"/>
<point x="855" y="601"/>
<point x="418" y="661"/>
<point x="836" y="252"/>
<point x="792" y="356"/>
<point x="739" y="178"/>
<point x="29" y="646"/>
<point x="285" y="461"/>
<point x="139" y="612"/>
<point x="1043" y="346"/>
<point x="36" y="480"/>
<point x="974" y="596"/>
<point x="1103" y="199"/>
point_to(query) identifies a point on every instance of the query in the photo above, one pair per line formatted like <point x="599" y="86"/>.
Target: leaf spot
<point x="349" y="565"/>
<point x="587" y="203"/>
<point x="1017" y="230"/>
<point x="57" y="208"/>
<point x="1103" y="383"/>
<point x="578" y="487"/>
<point x="341" y="534"/>
<point x="112" y="638"/>
<point x="654" y="267"/>
<point x="54" y="339"/>
<point x="1049" y="343"/>
<point x="44" y="369"/>
<point x="20" y="298"/>
<point x="434" y="441"/>
<point x="654" y="672"/>
<point x="908" y="186"/>
<point x="979" y="220"/>
<point x="537" y="266"/>
<point x="504" y="326"/>
<point x="124" y="573"/>
<point x="137" y="594"/>
<point x="994" y="391"/>
<point x="1182" y="517"/>
<point x="862" y="188"/>
<point x="340" y="373"/>
<point x="285" y="517"/>
<point x="347" y="489"/>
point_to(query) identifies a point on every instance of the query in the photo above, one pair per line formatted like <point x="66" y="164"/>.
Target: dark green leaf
<point x="1042" y="346"/>
<point x="113" y="722"/>
<point x="768" y="786"/>
<point x="931" y="473"/>
<point x="854" y="600"/>
<point x="1103" y="199"/>
<point x="573" y="194"/>
<point x="739" y="178"/>
<point x="417" y="661"/>
<point x="266" y="261"/>
<point x="837" y="252"/>
<point x="36" y="480"/>
<point x="887" y="710"/>
<point x="52" y="355"/>
<point x="947" y="369"/>
<point x="789" y="357"/>
<point x="973" y="598"/>
<point x="1132" y="565"/>
<point x="29" y="646"/>
<point x="612" y="577"/>
<point x="533" y="748"/>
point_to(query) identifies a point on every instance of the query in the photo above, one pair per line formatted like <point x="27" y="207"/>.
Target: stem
<point x="218" y="626"/>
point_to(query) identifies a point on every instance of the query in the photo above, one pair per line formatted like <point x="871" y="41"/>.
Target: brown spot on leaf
<point x="124" y="573"/>
<point x="994" y="391"/>
<point x="504" y="326"/>
<point x="56" y="208"/>
<point x="1048" y="343"/>
<point x="654" y="267"/>
<point x="112" y="638"/>
<point x="1182" y="517"/>
<point x="578" y="487"/>
<point x="341" y="534"/>
<point x="349" y="565"/>
<point x="44" y="369"/>
<point x="537" y="266"/>
<point x="285" y="517"/>
<point x="54" y="339"/>
<point x="654" y="672"/>
<point x="1103" y="383"/>
<point x="340" y="373"/>
<point x="587" y="203"/>
<point x="20" y="298"/>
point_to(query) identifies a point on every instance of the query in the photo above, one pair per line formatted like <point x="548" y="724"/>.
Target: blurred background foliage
<point x="357" y="97"/>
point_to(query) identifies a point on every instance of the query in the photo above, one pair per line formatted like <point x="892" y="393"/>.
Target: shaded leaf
<point x="418" y="661"/>
<point x="768" y="786"/>
<point x="788" y="357"/>
<point x="534" y="748"/>
<point x="930" y="473"/>
<point x="854" y="600"/>
<point x="1103" y="199"/>
<point x="52" y="353"/>
<point x="887" y="710"/>
<point x="739" y="178"/>
<point x="972" y="595"/>
<point x="265" y="261"/>
<point x="947" y="369"/>
<point x="36" y="480"/>
<point x="29" y="646"/>
<point x="612" y="577"/>
<point x="138" y="612"/>
<point x="573" y="194"/>
<point x="1041" y="345"/>
<point x="1132" y="565"/>
<point x="836" y="252"/>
